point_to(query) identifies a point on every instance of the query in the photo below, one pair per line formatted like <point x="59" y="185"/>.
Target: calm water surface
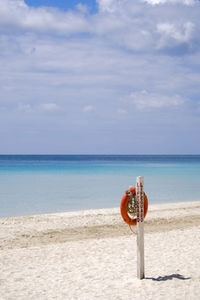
<point x="32" y="184"/>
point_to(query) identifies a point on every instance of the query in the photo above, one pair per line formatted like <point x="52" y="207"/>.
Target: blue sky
<point x="100" y="77"/>
<point x="63" y="5"/>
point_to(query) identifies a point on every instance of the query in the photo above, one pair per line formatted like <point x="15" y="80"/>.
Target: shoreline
<point x="104" y="209"/>
<point x="91" y="254"/>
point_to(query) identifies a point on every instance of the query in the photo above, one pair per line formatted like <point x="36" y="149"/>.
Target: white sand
<point x="92" y="254"/>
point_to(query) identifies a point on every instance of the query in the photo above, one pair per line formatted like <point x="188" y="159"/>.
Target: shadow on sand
<point x="169" y="277"/>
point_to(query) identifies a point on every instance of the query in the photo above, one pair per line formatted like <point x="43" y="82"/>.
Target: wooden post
<point x="140" y="226"/>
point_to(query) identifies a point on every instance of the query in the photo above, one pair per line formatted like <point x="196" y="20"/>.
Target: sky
<point x="100" y="77"/>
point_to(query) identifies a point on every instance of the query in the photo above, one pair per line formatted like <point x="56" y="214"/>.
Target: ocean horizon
<point x="35" y="184"/>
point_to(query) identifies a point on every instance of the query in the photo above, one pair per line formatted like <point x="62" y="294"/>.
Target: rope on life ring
<point x="128" y="206"/>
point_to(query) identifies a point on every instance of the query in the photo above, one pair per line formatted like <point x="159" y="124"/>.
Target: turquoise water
<point x="32" y="184"/>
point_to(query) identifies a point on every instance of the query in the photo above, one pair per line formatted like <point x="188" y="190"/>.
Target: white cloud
<point x="128" y="24"/>
<point x="107" y="5"/>
<point x="43" y="107"/>
<point x="144" y="100"/>
<point x="119" y="53"/>
<point x="82" y="7"/>
<point x="17" y="15"/>
<point x="25" y="108"/>
<point x="88" y="108"/>
<point x="122" y="111"/>
<point x="49" y="107"/>
<point x="184" y="2"/>
<point x="171" y="31"/>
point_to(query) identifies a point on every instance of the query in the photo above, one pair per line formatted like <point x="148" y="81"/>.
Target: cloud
<point x="49" y="107"/>
<point x="82" y="8"/>
<point x="43" y="107"/>
<point x="122" y="111"/>
<point x="171" y="32"/>
<point x="88" y="108"/>
<point x="25" y="108"/>
<point x="131" y="25"/>
<point x="138" y="27"/>
<point x="184" y="2"/>
<point x="16" y="14"/>
<point x="144" y="100"/>
<point x="54" y="61"/>
<point x="107" y="5"/>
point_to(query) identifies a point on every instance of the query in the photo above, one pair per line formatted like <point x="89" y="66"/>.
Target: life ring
<point x="126" y="206"/>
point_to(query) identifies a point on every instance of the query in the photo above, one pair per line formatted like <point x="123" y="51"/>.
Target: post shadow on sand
<point x="169" y="277"/>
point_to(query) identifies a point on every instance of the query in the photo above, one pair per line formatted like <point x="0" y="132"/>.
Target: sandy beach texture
<point x="92" y="255"/>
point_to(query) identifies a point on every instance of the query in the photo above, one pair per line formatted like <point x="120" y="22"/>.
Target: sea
<point x="36" y="184"/>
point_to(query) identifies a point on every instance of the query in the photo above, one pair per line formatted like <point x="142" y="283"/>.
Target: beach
<point x="91" y="254"/>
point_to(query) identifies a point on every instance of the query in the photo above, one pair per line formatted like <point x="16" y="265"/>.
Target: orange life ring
<point x="124" y="207"/>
